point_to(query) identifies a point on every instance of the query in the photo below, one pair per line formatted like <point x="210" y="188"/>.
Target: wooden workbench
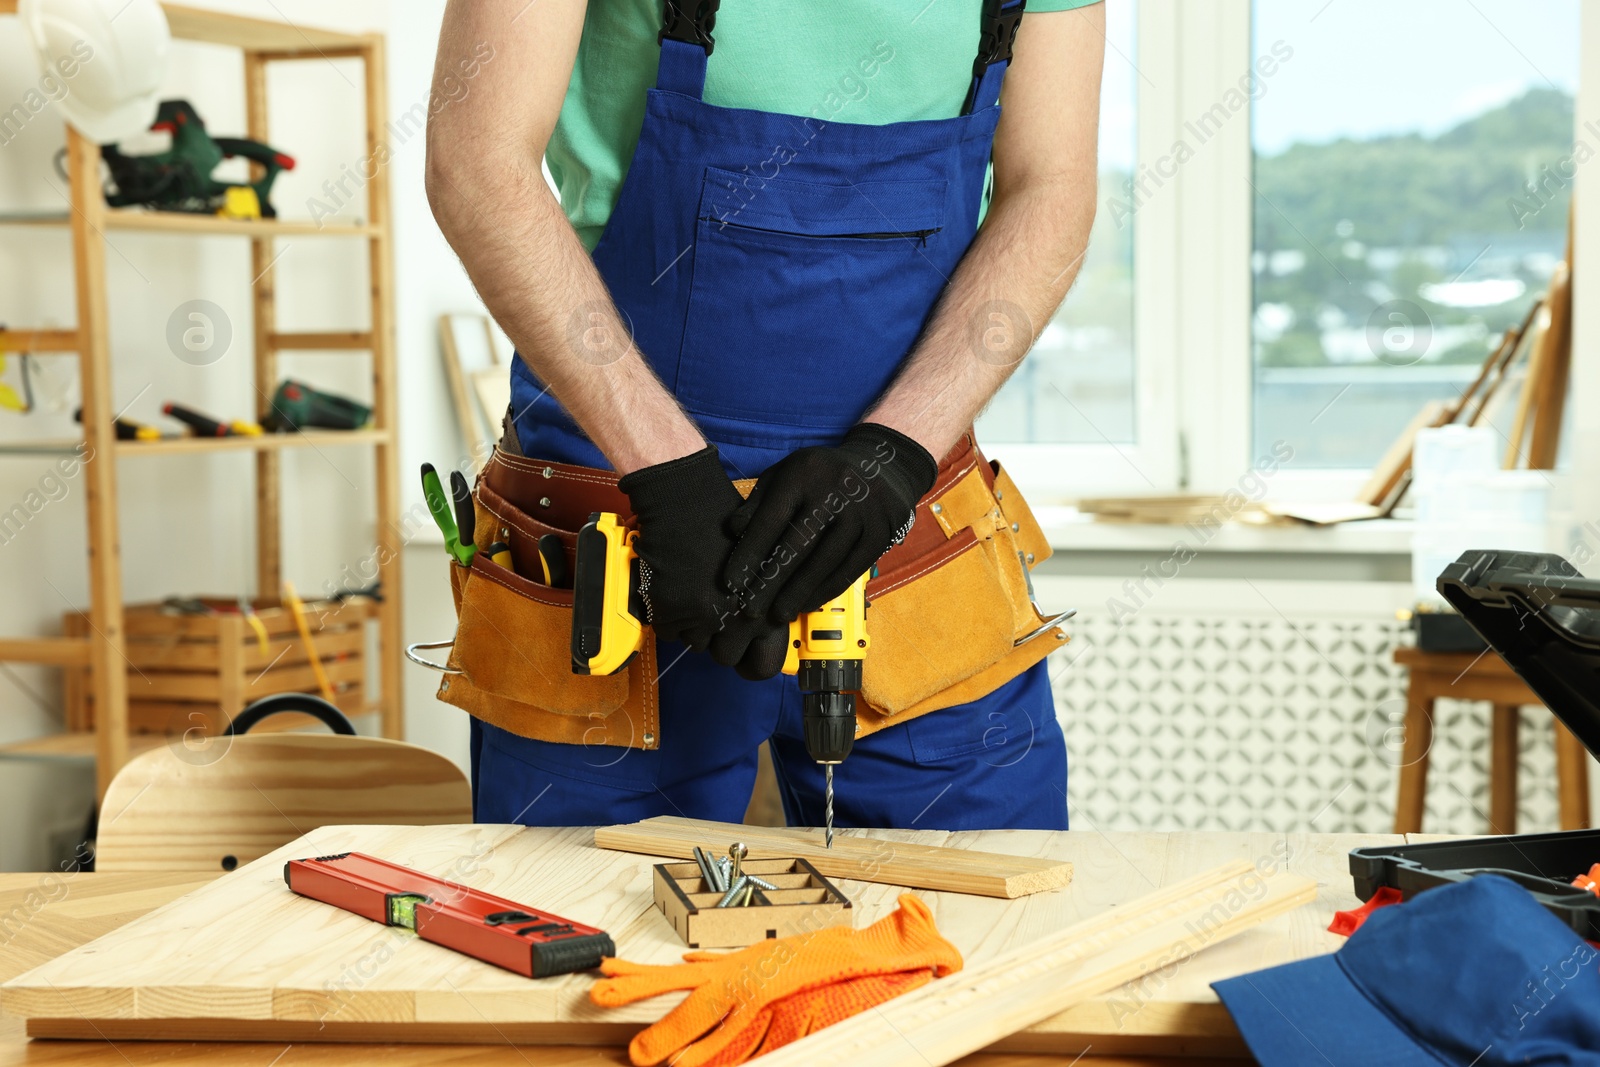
<point x="1172" y="1015"/>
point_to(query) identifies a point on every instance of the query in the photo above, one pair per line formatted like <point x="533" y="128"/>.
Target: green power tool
<point x="180" y="179"/>
<point x="297" y="406"/>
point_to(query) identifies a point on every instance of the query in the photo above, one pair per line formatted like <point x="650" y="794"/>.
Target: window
<point x="1339" y="206"/>
<point x="1412" y="168"/>
<point x="1077" y="386"/>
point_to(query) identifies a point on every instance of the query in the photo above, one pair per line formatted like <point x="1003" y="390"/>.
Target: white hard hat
<point x="119" y="50"/>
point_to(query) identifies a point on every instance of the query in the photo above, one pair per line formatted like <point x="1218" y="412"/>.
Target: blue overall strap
<point x="685" y="45"/>
<point x="996" y="38"/>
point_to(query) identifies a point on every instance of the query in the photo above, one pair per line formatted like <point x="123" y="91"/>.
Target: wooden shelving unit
<point x="103" y="651"/>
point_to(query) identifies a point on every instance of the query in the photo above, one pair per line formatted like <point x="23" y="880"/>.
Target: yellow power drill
<point x="826" y="646"/>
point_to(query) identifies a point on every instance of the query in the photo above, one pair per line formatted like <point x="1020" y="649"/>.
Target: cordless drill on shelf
<point x="826" y="646"/>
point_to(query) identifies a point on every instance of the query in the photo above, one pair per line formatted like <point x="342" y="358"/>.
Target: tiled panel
<point x="1269" y="723"/>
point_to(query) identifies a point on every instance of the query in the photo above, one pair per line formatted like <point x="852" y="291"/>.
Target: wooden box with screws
<point x="802" y="902"/>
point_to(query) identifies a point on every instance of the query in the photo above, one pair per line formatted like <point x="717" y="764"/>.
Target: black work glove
<point x="820" y="517"/>
<point x="682" y="508"/>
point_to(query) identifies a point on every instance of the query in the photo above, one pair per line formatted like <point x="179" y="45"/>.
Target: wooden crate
<point x="192" y="671"/>
<point x="803" y="903"/>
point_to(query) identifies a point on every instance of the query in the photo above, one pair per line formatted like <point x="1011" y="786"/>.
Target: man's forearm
<point x="1010" y="282"/>
<point x="542" y="287"/>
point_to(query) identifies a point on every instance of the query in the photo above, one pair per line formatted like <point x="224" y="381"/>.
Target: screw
<point x="736" y="854"/>
<point x="760" y="883"/>
<point x="707" y="869"/>
<point x="740" y="884"/>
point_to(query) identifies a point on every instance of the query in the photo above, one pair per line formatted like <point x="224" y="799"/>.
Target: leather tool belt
<point x="951" y="619"/>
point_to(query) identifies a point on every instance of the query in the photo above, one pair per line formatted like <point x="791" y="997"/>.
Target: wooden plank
<point x="107" y="658"/>
<point x="969" y="1010"/>
<point x="897" y="863"/>
<point x="150" y="623"/>
<point x="1504" y="720"/>
<point x="210" y="686"/>
<point x="45" y="914"/>
<point x="1572" y="775"/>
<point x="266" y="443"/>
<point x="48" y="651"/>
<point x="230" y="666"/>
<point x="186" y="655"/>
<point x="216" y="27"/>
<point x="348" y="340"/>
<point x="75" y="680"/>
<point x="264" y="357"/>
<point x="460" y="395"/>
<point x="39" y="340"/>
<point x="1550" y="400"/>
<point x="1540" y="365"/>
<point x="1175" y="1012"/>
<point x="385" y="396"/>
<point x="214" y="226"/>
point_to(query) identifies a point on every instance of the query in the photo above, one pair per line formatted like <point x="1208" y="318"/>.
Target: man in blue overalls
<point x="766" y="263"/>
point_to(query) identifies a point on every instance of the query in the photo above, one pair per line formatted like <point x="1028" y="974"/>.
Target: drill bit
<point x="827" y="810"/>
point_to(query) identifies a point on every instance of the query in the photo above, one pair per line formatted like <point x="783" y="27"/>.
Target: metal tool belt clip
<point x="411" y="654"/>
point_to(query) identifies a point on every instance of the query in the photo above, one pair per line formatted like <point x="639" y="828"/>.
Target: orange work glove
<point x="776" y="991"/>
<point x="795" y="1016"/>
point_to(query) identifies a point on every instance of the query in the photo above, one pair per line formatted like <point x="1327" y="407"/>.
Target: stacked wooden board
<point x="242" y="958"/>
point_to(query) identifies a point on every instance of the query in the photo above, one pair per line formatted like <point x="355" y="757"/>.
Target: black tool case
<point x="1543" y="617"/>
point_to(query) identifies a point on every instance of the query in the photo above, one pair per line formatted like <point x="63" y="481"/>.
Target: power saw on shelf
<point x="180" y="179"/>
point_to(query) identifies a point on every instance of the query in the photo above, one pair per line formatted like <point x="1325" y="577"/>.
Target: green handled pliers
<point x="461" y="550"/>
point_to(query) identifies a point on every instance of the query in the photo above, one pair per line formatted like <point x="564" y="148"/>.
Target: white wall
<point x="188" y="522"/>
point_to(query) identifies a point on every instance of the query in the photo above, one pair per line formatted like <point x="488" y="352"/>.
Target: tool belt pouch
<point x="513" y="636"/>
<point x="952" y="617"/>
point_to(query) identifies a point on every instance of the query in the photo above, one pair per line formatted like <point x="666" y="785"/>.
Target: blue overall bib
<point x="776" y="271"/>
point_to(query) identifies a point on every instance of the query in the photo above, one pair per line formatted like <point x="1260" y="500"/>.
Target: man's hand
<point x="683" y="508"/>
<point x="818" y="518"/>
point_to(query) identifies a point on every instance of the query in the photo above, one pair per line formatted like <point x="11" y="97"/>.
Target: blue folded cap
<point x="1471" y="974"/>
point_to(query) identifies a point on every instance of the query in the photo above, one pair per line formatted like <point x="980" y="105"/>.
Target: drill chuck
<point x="830" y="721"/>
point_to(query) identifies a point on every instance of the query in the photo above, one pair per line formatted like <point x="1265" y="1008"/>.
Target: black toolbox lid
<point x="1543" y="617"/>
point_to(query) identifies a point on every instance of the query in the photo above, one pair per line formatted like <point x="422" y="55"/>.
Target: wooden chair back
<point x="213" y="809"/>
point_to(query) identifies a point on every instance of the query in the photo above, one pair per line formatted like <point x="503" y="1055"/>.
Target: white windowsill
<point x="1070" y="530"/>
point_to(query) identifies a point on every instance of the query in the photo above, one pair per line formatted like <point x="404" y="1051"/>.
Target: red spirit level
<point x="531" y="942"/>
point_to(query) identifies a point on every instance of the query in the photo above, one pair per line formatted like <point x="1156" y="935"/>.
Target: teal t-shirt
<point x="859" y="61"/>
